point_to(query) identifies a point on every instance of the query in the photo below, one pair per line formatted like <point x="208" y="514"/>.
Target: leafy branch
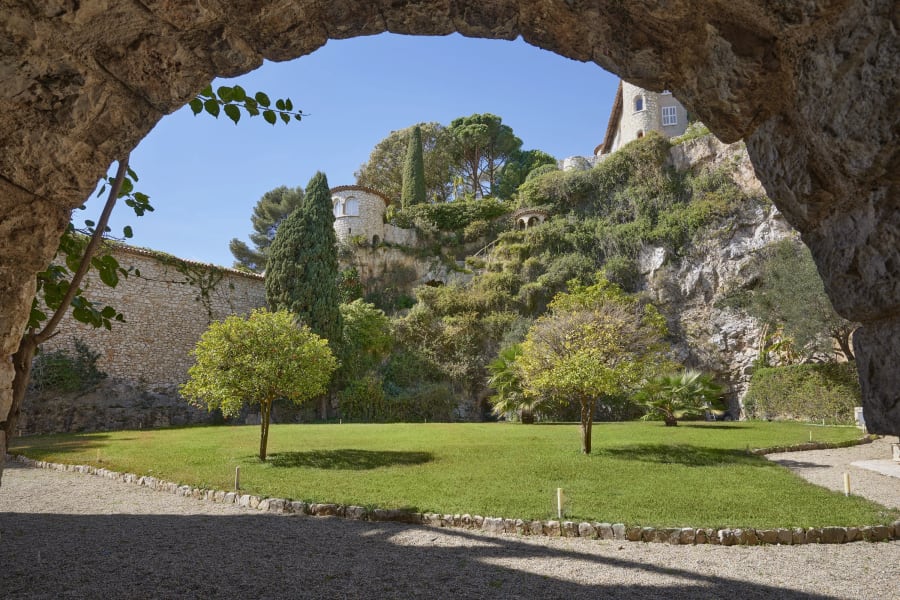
<point x="231" y="100"/>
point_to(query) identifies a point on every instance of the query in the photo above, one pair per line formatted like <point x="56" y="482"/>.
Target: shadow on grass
<point x="41" y="447"/>
<point x="348" y="459"/>
<point x="689" y="456"/>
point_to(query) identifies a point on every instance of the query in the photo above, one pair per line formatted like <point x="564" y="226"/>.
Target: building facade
<point x="636" y="112"/>
<point x="359" y="214"/>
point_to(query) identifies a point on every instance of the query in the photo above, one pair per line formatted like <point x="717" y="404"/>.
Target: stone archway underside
<point x="811" y="86"/>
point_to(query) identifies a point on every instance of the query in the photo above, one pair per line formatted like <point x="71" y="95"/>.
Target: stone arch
<point x="81" y="86"/>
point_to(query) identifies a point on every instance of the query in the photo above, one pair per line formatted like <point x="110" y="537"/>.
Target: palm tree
<point x="506" y="380"/>
<point x="679" y="395"/>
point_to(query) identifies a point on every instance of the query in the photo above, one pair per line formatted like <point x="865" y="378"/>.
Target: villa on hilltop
<point x="637" y="111"/>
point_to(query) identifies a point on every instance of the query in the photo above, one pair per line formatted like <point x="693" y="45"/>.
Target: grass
<point x="698" y="474"/>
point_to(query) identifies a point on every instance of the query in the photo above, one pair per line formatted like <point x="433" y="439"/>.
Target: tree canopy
<point x="413" y="172"/>
<point x="518" y="167"/>
<point x="384" y="169"/>
<point x="791" y="294"/>
<point x="595" y="341"/>
<point x="256" y="360"/>
<point x="270" y="210"/>
<point x="302" y="272"/>
<point x="481" y="146"/>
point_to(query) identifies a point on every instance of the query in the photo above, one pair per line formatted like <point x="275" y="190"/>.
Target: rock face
<point x="811" y="86"/>
<point x="689" y="289"/>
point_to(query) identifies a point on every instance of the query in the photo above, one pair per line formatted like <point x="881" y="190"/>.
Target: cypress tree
<point x="413" y="191"/>
<point x="302" y="269"/>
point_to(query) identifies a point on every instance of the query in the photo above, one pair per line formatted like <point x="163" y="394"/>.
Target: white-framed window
<point x="351" y="207"/>
<point x="638" y="103"/>
<point x="669" y="116"/>
<point x="338" y="205"/>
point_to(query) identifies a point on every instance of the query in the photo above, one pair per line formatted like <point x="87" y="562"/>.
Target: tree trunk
<point x="587" y="423"/>
<point x="265" y="409"/>
<point x="843" y="340"/>
<point x="22" y="360"/>
<point x="670" y="421"/>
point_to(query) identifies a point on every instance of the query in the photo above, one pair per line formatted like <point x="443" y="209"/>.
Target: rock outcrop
<point x="811" y="86"/>
<point x="690" y="289"/>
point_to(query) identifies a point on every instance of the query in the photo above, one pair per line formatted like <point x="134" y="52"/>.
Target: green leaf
<point x="298" y="116"/>
<point x="285" y="117"/>
<point x="131" y="173"/>
<point x="288" y="105"/>
<point x="238" y="94"/>
<point x="263" y="99"/>
<point x="279" y="104"/>
<point x="269" y="116"/>
<point x="89" y="223"/>
<point x="206" y="92"/>
<point x="225" y="93"/>
<point x="233" y="112"/>
<point x="108" y="312"/>
<point x="212" y="107"/>
<point x="196" y="105"/>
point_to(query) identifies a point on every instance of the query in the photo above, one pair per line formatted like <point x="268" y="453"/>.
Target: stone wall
<point x="166" y="310"/>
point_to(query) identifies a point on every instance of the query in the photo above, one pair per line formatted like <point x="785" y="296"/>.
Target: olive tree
<point x="256" y="360"/>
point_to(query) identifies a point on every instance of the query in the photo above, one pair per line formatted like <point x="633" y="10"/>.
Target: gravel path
<point x="827" y="468"/>
<point x="66" y="535"/>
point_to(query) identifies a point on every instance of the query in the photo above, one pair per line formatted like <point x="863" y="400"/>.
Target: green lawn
<point x="697" y="474"/>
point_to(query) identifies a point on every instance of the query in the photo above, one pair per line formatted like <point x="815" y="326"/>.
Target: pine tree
<point x="270" y="210"/>
<point x="302" y="270"/>
<point x="413" y="172"/>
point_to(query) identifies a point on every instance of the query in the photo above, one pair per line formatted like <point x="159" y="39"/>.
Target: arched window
<point x="351" y="207"/>
<point x="338" y="206"/>
<point x="638" y="103"/>
<point x="375" y="240"/>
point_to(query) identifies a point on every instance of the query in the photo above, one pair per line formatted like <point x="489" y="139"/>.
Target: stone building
<point x="637" y="111"/>
<point x="359" y="213"/>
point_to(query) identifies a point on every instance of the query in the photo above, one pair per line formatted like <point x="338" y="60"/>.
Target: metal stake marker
<point x="237" y="478"/>
<point x="559" y="503"/>
<point x="846" y="483"/>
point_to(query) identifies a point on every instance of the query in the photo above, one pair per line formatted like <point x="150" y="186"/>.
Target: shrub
<point x="451" y="216"/>
<point x="426" y="402"/>
<point x="810" y="392"/>
<point x="477" y="229"/>
<point x="66" y="371"/>
<point x="363" y="400"/>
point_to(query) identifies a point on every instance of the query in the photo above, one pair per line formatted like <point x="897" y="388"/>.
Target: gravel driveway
<point x="66" y="535"/>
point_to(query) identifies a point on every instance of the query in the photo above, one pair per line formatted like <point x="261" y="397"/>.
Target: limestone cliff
<point x="689" y="289"/>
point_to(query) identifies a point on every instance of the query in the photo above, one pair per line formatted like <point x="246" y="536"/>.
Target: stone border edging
<point x="591" y="530"/>
<point x="866" y="439"/>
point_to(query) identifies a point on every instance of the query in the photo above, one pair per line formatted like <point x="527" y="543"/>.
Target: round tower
<point x="358" y="211"/>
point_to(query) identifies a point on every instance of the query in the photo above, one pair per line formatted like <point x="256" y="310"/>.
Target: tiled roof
<point x="614" y="115"/>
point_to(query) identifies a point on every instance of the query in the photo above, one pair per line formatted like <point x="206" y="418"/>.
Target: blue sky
<point x="204" y="175"/>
